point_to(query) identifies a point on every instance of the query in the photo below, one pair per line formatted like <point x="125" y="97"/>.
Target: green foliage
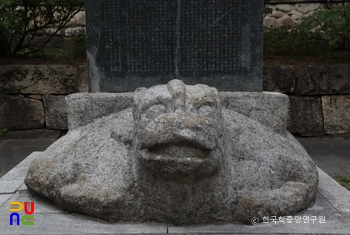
<point x="21" y="20"/>
<point x="343" y="181"/>
<point x="76" y="54"/>
<point x="2" y="131"/>
<point x="286" y="41"/>
<point x="334" y="24"/>
<point x="267" y="9"/>
<point x="320" y="34"/>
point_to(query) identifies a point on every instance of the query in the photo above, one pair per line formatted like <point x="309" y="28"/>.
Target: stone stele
<point x="178" y="156"/>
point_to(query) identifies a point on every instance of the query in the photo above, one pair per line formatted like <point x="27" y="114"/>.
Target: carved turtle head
<point x="178" y="130"/>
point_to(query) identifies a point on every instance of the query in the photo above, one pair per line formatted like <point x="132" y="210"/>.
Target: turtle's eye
<point x="155" y="111"/>
<point x="206" y="111"/>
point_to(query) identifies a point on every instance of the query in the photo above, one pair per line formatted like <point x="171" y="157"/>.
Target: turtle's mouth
<point x="180" y="147"/>
<point x="176" y="152"/>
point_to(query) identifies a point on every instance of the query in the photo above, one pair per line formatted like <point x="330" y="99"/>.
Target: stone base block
<point x="84" y="108"/>
<point x="37" y="79"/>
<point x="268" y="108"/>
<point x="306" y="117"/>
<point x="177" y="154"/>
<point x="21" y="113"/>
<point x="336" y="113"/>
<point x="55" y="112"/>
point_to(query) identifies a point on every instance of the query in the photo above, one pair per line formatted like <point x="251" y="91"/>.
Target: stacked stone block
<point x="319" y="97"/>
<point x="33" y="96"/>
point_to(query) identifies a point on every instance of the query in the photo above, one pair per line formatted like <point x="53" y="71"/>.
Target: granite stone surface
<point x="306" y="115"/>
<point x="336" y="114"/>
<point x="37" y="79"/>
<point x="55" y="112"/>
<point x="177" y="156"/>
<point x="327" y="216"/>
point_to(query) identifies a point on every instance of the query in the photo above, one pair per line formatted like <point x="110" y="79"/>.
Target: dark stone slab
<point x="55" y="112"/>
<point x="336" y="113"/>
<point x="37" y="79"/>
<point x="281" y="78"/>
<point x="306" y="116"/>
<point x="142" y="43"/>
<point x="21" y="113"/>
<point x="325" y="80"/>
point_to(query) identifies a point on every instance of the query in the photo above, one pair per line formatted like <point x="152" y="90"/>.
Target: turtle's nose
<point x="177" y="90"/>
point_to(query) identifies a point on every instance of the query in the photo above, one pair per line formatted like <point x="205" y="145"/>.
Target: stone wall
<point x="289" y="13"/>
<point x="32" y="96"/>
<point x="319" y="97"/>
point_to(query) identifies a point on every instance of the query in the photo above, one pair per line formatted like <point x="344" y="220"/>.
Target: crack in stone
<point x="177" y="50"/>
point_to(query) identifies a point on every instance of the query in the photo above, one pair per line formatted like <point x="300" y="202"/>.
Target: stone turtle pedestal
<point x="177" y="154"/>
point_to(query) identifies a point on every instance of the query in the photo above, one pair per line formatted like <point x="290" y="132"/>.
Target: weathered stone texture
<point x="285" y="21"/>
<point x="37" y="97"/>
<point x="306" y="116"/>
<point x="281" y="78"/>
<point x="269" y="22"/>
<point x="295" y="15"/>
<point x="285" y="7"/>
<point x="276" y="14"/>
<point x="82" y="81"/>
<point x="51" y="31"/>
<point x="84" y="108"/>
<point x="325" y="79"/>
<point x="291" y="13"/>
<point x="268" y="108"/>
<point x="55" y="112"/>
<point x="70" y="32"/>
<point x="306" y="7"/>
<point x="21" y="113"/>
<point x="176" y="157"/>
<point x="80" y="18"/>
<point x="336" y="113"/>
<point x="37" y="79"/>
